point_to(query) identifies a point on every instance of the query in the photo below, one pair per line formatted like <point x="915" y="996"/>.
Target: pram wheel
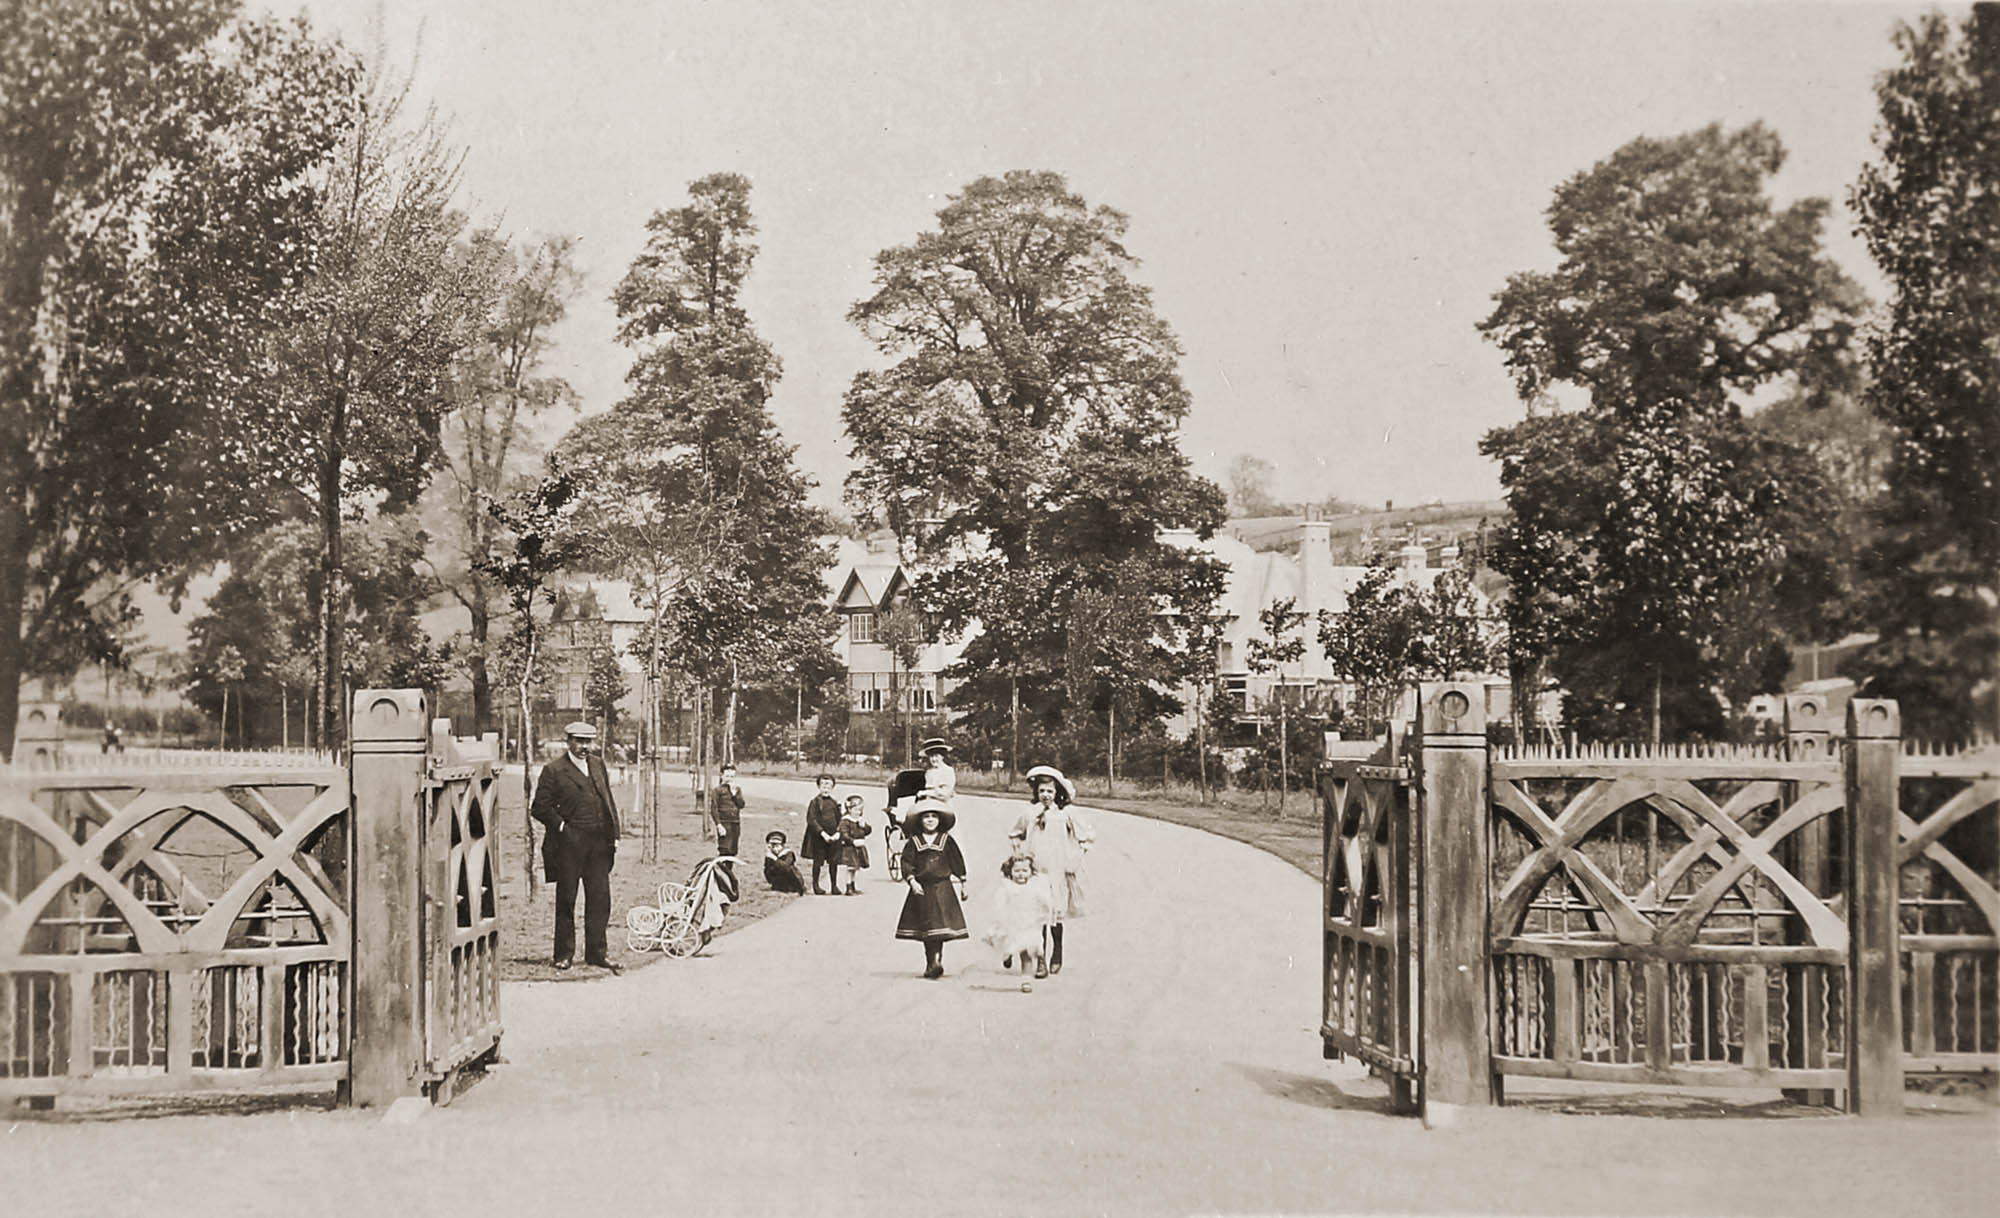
<point x="642" y="927"/>
<point x="679" y="938"/>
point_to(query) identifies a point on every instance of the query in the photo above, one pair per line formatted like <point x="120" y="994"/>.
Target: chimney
<point x="1315" y="566"/>
<point x="1413" y="557"/>
<point x="1448" y="557"/>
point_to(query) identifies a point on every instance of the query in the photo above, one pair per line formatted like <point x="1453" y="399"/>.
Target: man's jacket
<point x="573" y="809"/>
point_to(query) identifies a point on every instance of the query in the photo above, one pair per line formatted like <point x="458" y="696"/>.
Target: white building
<point x="867" y="581"/>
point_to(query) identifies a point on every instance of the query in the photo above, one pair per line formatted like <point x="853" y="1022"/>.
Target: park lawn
<point x="527" y="924"/>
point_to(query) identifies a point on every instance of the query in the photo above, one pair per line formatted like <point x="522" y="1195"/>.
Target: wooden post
<point x="1808" y="737"/>
<point x="1874" y="964"/>
<point x="1456" y="1060"/>
<point x="388" y="734"/>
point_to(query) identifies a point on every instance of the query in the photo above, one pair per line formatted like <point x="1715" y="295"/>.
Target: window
<point x="868" y="699"/>
<point x="922" y="700"/>
<point x="860" y="627"/>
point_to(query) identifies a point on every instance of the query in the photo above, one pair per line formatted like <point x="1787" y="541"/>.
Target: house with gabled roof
<point x="868" y="581"/>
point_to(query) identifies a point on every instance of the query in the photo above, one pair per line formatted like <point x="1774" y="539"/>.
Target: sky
<point x="1323" y="196"/>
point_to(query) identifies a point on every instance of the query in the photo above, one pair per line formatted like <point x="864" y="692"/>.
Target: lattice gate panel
<point x="1368" y="966"/>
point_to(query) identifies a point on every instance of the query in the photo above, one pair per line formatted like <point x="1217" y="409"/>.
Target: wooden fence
<point x="252" y="922"/>
<point x="1815" y="915"/>
<point x="173" y="929"/>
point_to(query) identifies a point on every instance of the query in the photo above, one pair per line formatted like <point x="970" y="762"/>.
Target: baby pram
<point x="687" y="915"/>
<point x="906" y="785"/>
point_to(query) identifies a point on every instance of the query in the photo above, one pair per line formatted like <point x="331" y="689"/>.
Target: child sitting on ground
<point x="1022" y="909"/>
<point x="781" y="866"/>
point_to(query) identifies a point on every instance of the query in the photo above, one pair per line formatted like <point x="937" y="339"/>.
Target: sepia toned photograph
<point x="1122" y="607"/>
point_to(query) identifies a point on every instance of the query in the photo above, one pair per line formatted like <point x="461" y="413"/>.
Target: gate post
<point x="387" y="730"/>
<point x="1456" y="1065"/>
<point x="1808" y="737"/>
<point x="1874" y="933"/>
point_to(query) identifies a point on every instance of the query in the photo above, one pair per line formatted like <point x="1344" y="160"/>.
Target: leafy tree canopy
<point x="1929" y="208"/>
<point x="162" y="165"/>
<point x="1024" y="436"/>
<point x="1658" y="539"/>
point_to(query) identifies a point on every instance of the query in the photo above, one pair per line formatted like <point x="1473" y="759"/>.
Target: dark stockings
<point x="933" y="958"/>
<point x="1055" y="945"/>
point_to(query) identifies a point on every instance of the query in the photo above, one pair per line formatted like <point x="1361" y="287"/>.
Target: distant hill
<point x="1351" y="533"/>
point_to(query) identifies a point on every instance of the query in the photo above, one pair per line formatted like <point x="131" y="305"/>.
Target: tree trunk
<point x="222" y="728"/>
<point x="524" y="694"/>
<point x="1284" y="753"/>
<point x="729" y="723"/>
<point x="13" y="584"/>
<point x="1014" y="721"/>
<point x="285" y="718"/>
<point x="482" y="680"/>
<point x="332" y="605"/>
<point x="1201" y="746"/>
<point x="1656" y="701"/>
<point x="24" y="255"/>
<point x="1111" y="749"/>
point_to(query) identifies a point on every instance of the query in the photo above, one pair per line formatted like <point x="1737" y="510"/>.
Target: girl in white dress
<point x="1056" y="838"/>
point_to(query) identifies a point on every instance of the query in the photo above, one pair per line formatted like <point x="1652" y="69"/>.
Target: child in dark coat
<point x="935" y="872"/>
<point x="821" y="841"/>
<point x="853" y="846"/>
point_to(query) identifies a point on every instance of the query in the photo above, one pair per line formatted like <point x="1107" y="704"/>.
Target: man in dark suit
<point x="573" y="802"/>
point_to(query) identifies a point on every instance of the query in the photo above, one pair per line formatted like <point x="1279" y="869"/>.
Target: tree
<point x="604" y="685"/>
<point x="1929" y="208"/>
<point x="1649" y="520"/>
<point x="158" y="174"/>
<point x="1250" y="480"/>
<point x="543" y="534"/>
<point x="499" y="384"/>
<point x="699" y="501"/>
<point x="1023" y="440"/>
<point x="1201" y="631"/>
<point x="265" y="609"/>
<point x="1283" y="642"/>
<point x="392" y="302"/>
<point x="1395" y="632"/>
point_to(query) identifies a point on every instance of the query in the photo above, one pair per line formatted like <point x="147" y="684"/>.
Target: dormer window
<point x="860" y="627"/>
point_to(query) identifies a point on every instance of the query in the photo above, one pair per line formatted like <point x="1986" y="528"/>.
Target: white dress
<point x="1018" y="915"/>
<point x="1056" y="838"/>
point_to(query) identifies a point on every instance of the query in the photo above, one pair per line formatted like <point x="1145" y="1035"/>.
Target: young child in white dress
<point x="1021" y="911"/>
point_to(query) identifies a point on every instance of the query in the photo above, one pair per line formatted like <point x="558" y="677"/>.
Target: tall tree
<point x="1648" y="518"/>
<point x="1395" y="631"/>
<point x="159" y="170"/>
<point x="1024" y="440"/>
<point x="543" y="533"/>
<point x="1282" y="642"/>
<point x="392" y="302"/>
<point x="500" y="383"/>
<point x="698" y="498"/>
<point x="1929" y="208"/>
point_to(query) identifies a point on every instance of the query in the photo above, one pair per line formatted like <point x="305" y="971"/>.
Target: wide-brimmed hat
<point x="580" y="730"/>
<point x="936" y="744"/>
<point x="946" y="820"/>
<point x="1065" y="791"/>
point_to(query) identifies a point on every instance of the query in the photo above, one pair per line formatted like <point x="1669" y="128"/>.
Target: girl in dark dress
<point x="935" y="872"/>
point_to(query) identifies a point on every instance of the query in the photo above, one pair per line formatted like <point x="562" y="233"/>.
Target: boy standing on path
<point x="728" y="811"/>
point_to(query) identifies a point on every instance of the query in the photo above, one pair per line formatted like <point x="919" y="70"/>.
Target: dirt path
<point x="802" y="1067"/>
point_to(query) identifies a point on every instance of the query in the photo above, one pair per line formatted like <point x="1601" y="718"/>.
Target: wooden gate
<point x="1819" y="914"/>
<point x="461" y="934"/>
<point x="1368" y="961"/>
<point x="173" y="923"/>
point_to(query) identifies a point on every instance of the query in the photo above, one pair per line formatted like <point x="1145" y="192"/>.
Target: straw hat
<point x="1065" y="791"/>
<point x="580" y="730"/>
<point x="911" y="819"/>
<point x="936" y="744"/>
